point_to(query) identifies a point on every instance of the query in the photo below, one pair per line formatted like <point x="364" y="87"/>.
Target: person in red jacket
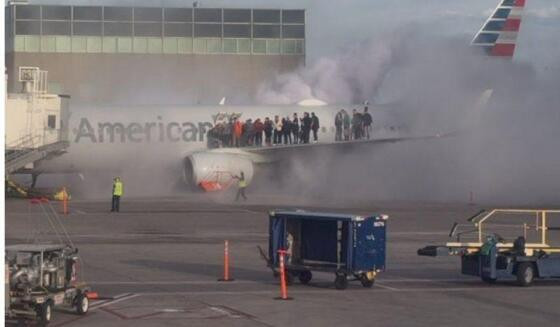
<point x="237" y="129"/>
<point x="259" y="128"/>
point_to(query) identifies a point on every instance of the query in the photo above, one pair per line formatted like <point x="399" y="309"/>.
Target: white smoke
<point x="350" y="77"/>
<point x="508" y="153"/>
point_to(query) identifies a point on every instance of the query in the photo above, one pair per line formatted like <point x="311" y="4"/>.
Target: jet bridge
<point x="36" y="122"/>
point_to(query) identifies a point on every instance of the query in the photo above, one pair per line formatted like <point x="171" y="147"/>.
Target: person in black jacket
<point x="268" y="131"/>
<point x="287" y="130"/>
<point x="367" y="121"/>
<point x="295" y="128"/>
<point x="314" y="126"/>
<point x="338" y="122"/>
<point x="306" y="127"/>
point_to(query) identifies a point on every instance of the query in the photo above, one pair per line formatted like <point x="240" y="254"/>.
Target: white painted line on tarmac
<point x="385" y="286"/>
<point x="383" y="289"/>
<point x="422" y="280"/>
<point x="171" y="282"/>
<point x="118" y="298"/>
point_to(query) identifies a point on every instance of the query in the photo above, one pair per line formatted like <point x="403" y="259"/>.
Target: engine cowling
<point x="215" y="171"/>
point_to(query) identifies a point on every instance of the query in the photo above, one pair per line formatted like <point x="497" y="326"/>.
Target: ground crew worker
<point x="117" y="193"/>
<point x="242" y="184"/>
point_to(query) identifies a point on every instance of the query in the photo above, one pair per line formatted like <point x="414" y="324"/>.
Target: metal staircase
<point x="25" y="151"/>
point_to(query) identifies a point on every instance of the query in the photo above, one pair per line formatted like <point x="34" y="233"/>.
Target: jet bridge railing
<point x="508" y="224"/>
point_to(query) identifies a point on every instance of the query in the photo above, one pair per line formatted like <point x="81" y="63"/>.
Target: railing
<point x="532" y="224"/>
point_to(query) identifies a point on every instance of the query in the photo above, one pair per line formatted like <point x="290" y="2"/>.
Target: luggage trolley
<point x="347" y="245"/>
<point x="505" y="243"/>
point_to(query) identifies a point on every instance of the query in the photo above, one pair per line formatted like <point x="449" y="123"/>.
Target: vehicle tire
<point x="366" y="282"/>
<point x="489" y="280"/>
<point x="305" y="276"/>
<point x="44" y="313"/>
<point x="82" y="304"/>
<point x="525" y="274"/>
<point x="341" y="282"/>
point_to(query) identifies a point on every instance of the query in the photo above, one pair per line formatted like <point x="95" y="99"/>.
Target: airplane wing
<point x="498" y="35"/>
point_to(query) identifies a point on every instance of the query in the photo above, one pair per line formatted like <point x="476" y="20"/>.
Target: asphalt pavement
<point x="156" y="263"/>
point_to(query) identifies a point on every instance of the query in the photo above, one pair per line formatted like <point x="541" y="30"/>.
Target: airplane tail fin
<point x="499" y="33"/>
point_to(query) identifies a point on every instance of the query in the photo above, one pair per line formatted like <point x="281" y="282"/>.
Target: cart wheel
<point x="366" y="282"/>
<point x="305" y="276"/>
<point x="525" y="274"/>
<point x="82" y="304"/>
<point x="44" y="312"/>
<point x="489" y="280"/>
<point x="341" y="282"/>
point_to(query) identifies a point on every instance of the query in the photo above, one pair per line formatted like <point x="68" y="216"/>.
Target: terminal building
<point x="147" y="55"/>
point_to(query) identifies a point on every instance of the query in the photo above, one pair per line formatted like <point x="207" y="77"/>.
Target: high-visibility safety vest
<point x="118" y="188"/>
<point x="242" y="183"/>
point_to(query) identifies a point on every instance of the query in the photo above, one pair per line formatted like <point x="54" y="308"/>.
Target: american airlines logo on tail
<point x="498" y="34"/>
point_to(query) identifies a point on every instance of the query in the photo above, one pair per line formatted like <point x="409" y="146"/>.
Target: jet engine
<point x="215" y="171"/>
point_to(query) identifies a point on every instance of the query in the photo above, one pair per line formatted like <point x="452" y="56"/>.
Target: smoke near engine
<point x="505" y="153"/>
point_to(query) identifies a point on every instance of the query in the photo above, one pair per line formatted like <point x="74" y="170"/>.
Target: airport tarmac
<point x="156" y="263"/>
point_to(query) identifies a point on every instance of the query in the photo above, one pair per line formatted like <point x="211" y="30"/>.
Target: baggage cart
<point x="350" y="246"/>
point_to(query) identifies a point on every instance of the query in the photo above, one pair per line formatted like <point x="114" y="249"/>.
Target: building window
<point x="51" y="121"/>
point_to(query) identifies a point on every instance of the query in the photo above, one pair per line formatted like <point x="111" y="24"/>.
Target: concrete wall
<point x="135" y="79"/>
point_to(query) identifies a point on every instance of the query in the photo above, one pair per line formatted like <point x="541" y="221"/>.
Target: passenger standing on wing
<point x="338" y="121"/>
<point x="306" y="127"/>
<point x="287" y="130"/>
<point x="242" y="184"/>
<point x="356" y="124"/>
<point x="228" y="131"/>
<point x="314" y="126"/>
<point x="346" y="125"/>
<point x="268" y="131"/>
<point x="250" y="132"/>
<point x="237" y="132"/>
<point x="295" y="128"/>
<point x="366" y="117"/>
<point x="117" y="193"/>
<point x="277" y="130"/>
<point x="259" y="127"/>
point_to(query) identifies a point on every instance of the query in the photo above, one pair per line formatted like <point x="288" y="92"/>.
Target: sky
<point x="334" y="25"/>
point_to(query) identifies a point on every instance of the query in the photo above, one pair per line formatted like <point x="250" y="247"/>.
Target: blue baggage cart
<point x="350" y="246"/>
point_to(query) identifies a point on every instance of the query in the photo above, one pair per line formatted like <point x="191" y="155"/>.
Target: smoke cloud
<point x="504" y="153"/>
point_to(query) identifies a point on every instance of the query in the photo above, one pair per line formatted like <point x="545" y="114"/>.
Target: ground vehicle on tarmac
<point x="347" y="245"/>
<point x="506" y="243"/>
<point x="40" y="277"/>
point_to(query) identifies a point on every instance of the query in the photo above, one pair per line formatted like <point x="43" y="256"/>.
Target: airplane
<point x="103" y="139"/>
